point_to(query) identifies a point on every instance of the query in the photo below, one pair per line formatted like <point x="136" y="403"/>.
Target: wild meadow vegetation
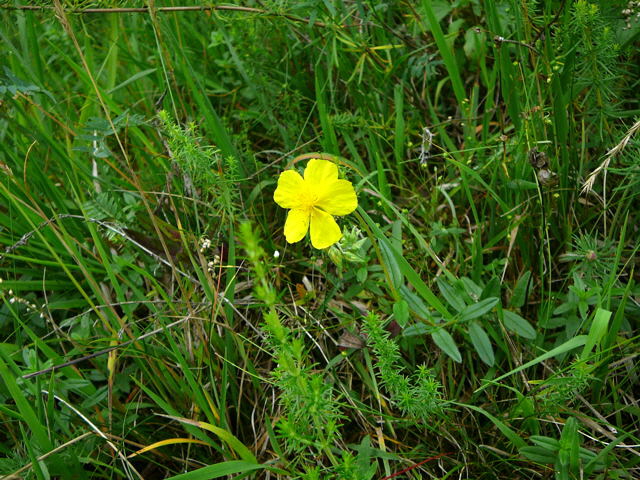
<point x="478" y="319"/>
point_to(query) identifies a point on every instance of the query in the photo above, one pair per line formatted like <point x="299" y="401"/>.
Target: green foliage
<point x="11" y="85"/>
<point x="570" y="460"/>
<point x="592" y="47"/>
<point x="419" y="396"/>
<point x="481" y="307"/>
<point x="204" y="171"/>
<point x="311" y="412"/>
<point x="560" y="392"/>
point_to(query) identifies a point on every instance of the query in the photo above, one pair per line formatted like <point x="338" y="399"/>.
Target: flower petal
<point x="290" y="185"/>
<point x="319" y="172"/>
<point x="324" y="229"/>
<point x="338" y="198"/>
<point x="296" y="226"/>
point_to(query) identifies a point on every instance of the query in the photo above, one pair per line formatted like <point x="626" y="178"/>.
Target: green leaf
<point x="475" y="43"/>
<point x="390" y="262"/>
<point x="513" y="437"/>
<point x="361" y="274"/>
<point x="551" y="444"/>
<point x="38" y="430"/>
<point x="213" y="123"/>
<point x="598" y="461"/>
<point x="132" y="79"/>
<point x="442" y="8"/>
<point x="447" y="55"/>
<point x="415" y="303"/>
<point x="445" y="342"/>
<point x="401" y="312"/>
<point x="568" y="459"/>
<point x="520" y="184"/>
<point x="596" y="332"/>
<point x="399" y="137"/>
<point x="221" y="433"/>
<point x="491" y="289"/>
<point x="481" y="343"/>
<point x="567" y="346"/>
<point x="520" y="291"/>
<point x="412" y="276"/>
<point x="218" y="470"/>
<point x="450" y="295"/>
<point x="538" y="454"/>
<point x="478" y="309"/>
<point x="472" y="288"/>
<point x="519" y="325"/>
<point x="416" y="329"/>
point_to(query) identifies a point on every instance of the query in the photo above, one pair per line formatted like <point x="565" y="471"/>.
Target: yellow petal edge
<point x="289" y="189"/>
<point x="324" y="230"/>
<point x="296" y="226"/>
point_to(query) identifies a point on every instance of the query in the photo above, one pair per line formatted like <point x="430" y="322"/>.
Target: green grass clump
<point x="479" y="317"/>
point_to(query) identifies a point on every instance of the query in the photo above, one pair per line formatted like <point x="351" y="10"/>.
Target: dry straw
<point x="588" y="184"/>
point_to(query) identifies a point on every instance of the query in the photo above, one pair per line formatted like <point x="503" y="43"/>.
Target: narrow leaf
<point x="520" y="291"/>
<point x="478" y="309"/>
<point x="596" y="332"/>
<point x="401" y="312"/>
<point x="390" y="262"/>
<point x="519" y="325"/>
<point x="445" y="342"/>
<point x="167" y="441"/>
<point x="223" y="434"/>
<point x="538" y="454"/>
<point x="412" y="276"/>
<point x="450" y="295"/>
<point x="567" y="346"/>
<point x="218" y="470"/>
<point x="416" y="305"/>
<point x="513" y="437"/>
<point x="481" y="343"/>
<point x="38" y="430"/>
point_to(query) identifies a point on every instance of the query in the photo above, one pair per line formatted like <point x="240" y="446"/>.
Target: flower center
<point x="308" y="199"/>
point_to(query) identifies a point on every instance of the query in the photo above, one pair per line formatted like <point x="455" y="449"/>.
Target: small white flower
<point x="205" y="244"/>
<point x="276" y="254"/>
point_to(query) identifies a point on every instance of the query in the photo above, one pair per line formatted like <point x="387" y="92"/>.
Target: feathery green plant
<point x="311" y="412"/>
<point x="418" y="396"/>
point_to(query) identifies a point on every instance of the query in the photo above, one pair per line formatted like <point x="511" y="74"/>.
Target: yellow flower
<point x="313" y="200"/>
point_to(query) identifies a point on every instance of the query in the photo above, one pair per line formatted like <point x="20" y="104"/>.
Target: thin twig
<point x="106" y="350"/>
<point x="203" y="8"/>
<point x="500" y="40"/>
<point x="416" y="465"/>
<point x="128" y="467"/>
<point x="27" y="236"/>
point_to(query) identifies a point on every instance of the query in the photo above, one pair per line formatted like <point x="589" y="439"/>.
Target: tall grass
<point x="479" y="318"/>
